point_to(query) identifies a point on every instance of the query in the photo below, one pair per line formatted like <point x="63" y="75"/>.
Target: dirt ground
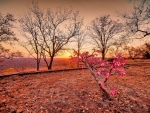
<point x="75" y="92"/>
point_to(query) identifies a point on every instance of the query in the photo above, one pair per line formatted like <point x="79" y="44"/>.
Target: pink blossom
<point x="103" y="68"/>
<point x="102" y="64"/>
<point x="99" y="73"/>
<point x="117" y="63"/>
<point x="107" y="75"/>
<point x="113" y="91"/>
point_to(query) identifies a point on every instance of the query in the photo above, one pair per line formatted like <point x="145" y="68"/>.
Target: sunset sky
<point x="89" y="9"/>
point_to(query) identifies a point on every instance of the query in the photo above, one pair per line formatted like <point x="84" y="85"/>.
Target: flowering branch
<point x="101" y="69"/>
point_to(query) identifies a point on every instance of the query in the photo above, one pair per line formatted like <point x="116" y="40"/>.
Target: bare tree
<point x="7" y="35"/>
<point x="30" y="31"/>
<point x="104" y="31"/>
<point x="53" y="29"/>
<point x="138" y="19"/>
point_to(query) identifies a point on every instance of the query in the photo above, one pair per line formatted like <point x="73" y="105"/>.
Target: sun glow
<point x="67" y="54"/>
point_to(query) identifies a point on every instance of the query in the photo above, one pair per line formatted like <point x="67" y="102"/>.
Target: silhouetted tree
<point x="138" y="19"/>
<point x="7" y="35"/>
<point x="30" y="32"/>
<point x="104" y="31"/>
<point x="52" y="29"/>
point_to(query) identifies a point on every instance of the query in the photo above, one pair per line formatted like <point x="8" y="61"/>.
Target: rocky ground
<point x="75" y="92"/>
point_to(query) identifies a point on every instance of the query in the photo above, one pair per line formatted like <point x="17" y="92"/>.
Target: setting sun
<point x="67" y="54"/>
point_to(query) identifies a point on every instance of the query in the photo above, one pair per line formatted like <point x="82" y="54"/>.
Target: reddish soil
<point x="75" y="92"/>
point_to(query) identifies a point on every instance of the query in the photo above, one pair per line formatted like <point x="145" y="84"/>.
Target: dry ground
<point x="75" y="92"/>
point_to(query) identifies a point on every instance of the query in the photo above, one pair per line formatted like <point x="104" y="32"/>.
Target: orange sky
<point x="90" y="9"/>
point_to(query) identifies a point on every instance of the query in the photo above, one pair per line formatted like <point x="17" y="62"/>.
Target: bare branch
<point x="137" y="22"/>
<point x="48" y="31"/>
<point x="103" y="31"/>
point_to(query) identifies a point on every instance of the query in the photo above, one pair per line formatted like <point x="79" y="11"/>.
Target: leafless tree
<point x="138" y="19"/>
<point x="7" y="35"/>
<point x="53" y="29"/>
<point x="30" y="31"/>
<point x="104" y="32"/>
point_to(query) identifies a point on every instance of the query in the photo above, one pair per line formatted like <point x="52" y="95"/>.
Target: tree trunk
<point x="37" y="65"/>
<point x="104" y="90"/>
<point x="78" y="58"/>
<point x="51" y="62"/>
<point x="103" y="54"/>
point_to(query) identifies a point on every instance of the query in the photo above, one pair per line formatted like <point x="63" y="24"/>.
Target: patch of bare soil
<point x="75" y="92"/>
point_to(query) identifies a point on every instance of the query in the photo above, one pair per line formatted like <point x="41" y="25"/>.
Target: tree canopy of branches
<point x="104" y="31"/>
<point x="138" y="19"/>
<point x="7" y="35"/>
<point x="48" y="31"/>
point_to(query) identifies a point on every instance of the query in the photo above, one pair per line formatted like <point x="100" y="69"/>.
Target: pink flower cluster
<point x="104" y="68"/>
<point x="113" y="91"/>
